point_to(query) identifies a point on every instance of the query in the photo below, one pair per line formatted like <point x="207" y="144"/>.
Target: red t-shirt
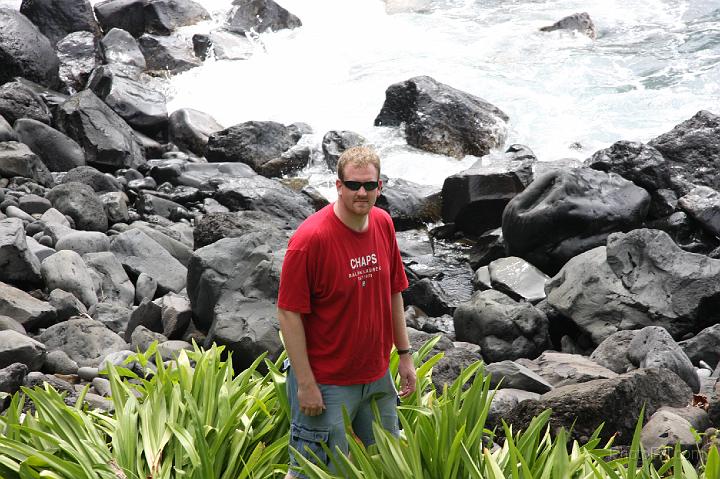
<point x="341" y="282"/>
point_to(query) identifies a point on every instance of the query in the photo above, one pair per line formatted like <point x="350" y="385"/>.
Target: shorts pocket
<point x="304" y="439"/>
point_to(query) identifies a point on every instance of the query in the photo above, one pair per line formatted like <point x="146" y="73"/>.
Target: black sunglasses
<point x="355" y="185"/>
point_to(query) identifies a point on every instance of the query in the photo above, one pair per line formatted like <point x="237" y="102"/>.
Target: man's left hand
<point x="406" y="368"/>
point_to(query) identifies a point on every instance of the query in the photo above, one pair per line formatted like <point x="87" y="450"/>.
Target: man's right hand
<point x="310" y="399"/>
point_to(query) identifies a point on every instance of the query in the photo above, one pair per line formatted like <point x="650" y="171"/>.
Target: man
<point x="341" y="310"/>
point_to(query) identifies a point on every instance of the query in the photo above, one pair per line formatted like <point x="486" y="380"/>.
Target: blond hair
<point x="360" y="157"/>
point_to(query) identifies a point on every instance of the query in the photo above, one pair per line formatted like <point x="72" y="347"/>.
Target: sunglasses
<point x="355" y="185"/>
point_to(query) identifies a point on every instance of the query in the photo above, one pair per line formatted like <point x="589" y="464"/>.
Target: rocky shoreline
<point x="588" y="288"/>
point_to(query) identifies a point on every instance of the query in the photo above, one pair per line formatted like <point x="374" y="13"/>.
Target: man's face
<point x="361" y="201"/>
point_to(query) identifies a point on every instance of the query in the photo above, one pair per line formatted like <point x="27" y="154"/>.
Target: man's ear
<point x="338" y="185"/>
<point x="380" y="186"/>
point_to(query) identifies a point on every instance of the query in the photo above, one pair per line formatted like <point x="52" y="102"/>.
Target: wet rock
<point x="128" y="15"/>
<point x="141" y="107"/>
<point x="138" y="253"/>
<point x="409" y="204"/>
<point x="79" y="201"/>
<point x="99" y="182"/>
<point x="163" y="17"/>
<point x="703" y="205"/>
<point x="79" y="56"/>
<point x="19" y="101"/>
<point x="190" y="129"/>
<point x="215" y="226"/>
<point x="474" y="199"/>
<point x="107" y="140"/>
<point x="487" y="248"/>
<point x="579" y="22"/>
<point x="122" y="53"/>
<point x="26" y="52"/>
<point x="441" y="119"/>
<point x="518" y="279"/>
<point x="167" y="54"/>
<point x="503" y="328"/>
<point x="642" y="164"/>
<point x="84" y="340"/>
<point x="335" y="142"/>
<point x="692" y="149"/>
<point x="258" y="16"/>
<point x="57" y="151"/>
<point x="581" y="408"/>
<point x="429" y="297"/>
<point x="564" y="213"/>
<point x="57" y="18"/>
<point x="222" y="45"/>
<point x="198" y="175"/>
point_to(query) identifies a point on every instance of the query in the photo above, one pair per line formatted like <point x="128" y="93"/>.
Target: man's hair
<point x="360" y="157"/>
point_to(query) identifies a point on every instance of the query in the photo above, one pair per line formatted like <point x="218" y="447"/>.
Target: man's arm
<point x="293" y="330"/>
<point x="406" y="368"/>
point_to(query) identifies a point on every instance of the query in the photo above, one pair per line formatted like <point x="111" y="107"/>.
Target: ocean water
<point x="654" y="64"/>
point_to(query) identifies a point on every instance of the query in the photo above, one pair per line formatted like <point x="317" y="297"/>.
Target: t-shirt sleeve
<point x="294" y="291"/>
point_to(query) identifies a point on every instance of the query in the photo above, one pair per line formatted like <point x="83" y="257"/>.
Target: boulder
<point x="19" y="101"/>
<point x="114" y="316"/>
<point x="122" y="53"/>
<point x="66" y="304"/>
<point x="653" y="347"/>
<point x="39" y="250"/>
<point x="509" y="374"/>
<point x="190" y="129"/>
<point x="216" y="226"/>
<point x="503" y="328"/>
<point x="612" y="353"/>
<point x="16" y="159"/>
<point x="581" y="408"/>
<point x="57" y="18"/>
<point x="30" y="312"/>
<point x="98" y="181"/>
<point x="7" y="322"/>
<point x="503" y="401"/>
<point x="441" y="119"/>
<point x="79" y="201"/>
<point x="138" y="253"/>
<point x="84" y="340"/>
<point x="255" y="143"/>
<point x="25" y="51"/>
<point x="474" y="199"/>
<point x="258" y="16"/>
<point x="486" y="249"/>
<point x="111" y="282"/>
<point x="518" y="279"/>
<point x="587" y="291"/>
<point x="222" y="45"/>
<point x="702" y="204"/>
<point x="692" y="149"/>
<point x="107" y="140"/>
<point x="163" y="17"/>
<point x="79" y="56"/>
<point x="12" y="377"/>
<point x="116" y="208"/>
<point x="335" y="142"/>
<point x="141" y="107"/>
<point x="263" y="194"/>
<point x="128" y="15"/>
<point x="176" y="314"/>
<point x="561" y="369"/>
<point x="67" y="271"/>
<point x="6" y="131"/>
<point x="83" y="242"/>
<point x="167" y="54"/>
<point x="18" y="348"/>
<point x="246" y="327"/>
<point x="642" y="164"/>
<point x="184" y="173"/>
<point x="564" y="213"/>
<point x="579" y="22"/>
<point x="678" y="289"/>
<point x="178" y="250"/>
<point x="409" y="204"/>
<point x="667" y="429"/>
<point x="57" y="362"/>
<point x="19" y="263"/>
<point x="145" y="288"/>
<point x="243" y="264"/>
<point x="57" y="151"/>
<point x="429" y="297"/>
<point x="147" y="315"/>
<point x="703" y="346"/>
